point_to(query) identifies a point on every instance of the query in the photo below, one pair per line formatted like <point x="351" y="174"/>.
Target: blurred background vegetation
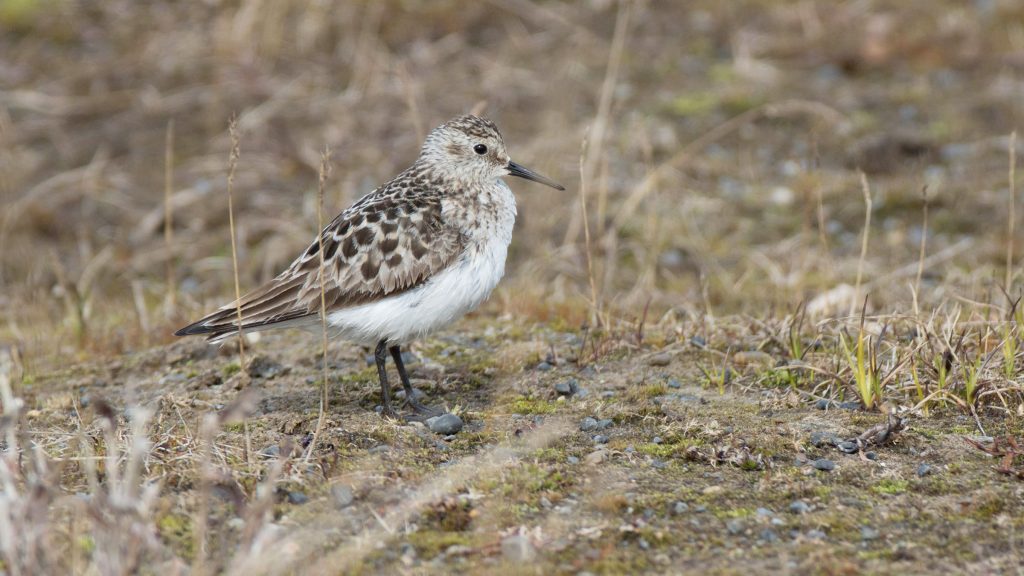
<point x="721" y="171"/>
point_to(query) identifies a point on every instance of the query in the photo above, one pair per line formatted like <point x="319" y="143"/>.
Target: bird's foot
<point x="388" y="413"/>
<point x="422" y="412"/>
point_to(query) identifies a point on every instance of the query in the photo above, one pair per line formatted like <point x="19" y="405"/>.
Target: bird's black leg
<point x="381" y="355"/>
<point x="396" y="354"/>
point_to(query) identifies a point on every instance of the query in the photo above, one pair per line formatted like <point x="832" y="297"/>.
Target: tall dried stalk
<point x="325" y="169"/>
<point x="604" y="105"/>
<point x="864" y="241"/>
<point x="172" y="290"/>
<point x="923" y="250"/>
<point x="232" y="162"/>
<point x="595" y="306"/>
<point x="1012" y="218"/>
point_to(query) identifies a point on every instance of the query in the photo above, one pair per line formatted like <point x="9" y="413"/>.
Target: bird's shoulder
<point x="393" y="239"/>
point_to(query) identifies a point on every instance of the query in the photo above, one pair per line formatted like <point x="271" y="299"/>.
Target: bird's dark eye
<point x="480" y="149"/>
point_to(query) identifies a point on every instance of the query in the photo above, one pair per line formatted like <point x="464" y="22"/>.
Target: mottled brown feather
<point x="392" y="240"/>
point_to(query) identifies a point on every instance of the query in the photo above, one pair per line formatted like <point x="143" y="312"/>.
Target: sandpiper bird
<point x="405" y="260"/>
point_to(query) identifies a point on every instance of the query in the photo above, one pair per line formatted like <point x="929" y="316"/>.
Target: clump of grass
<point x="862" y="360"/>
<point x="889" y="486"/>
<point x="529" y="405"/>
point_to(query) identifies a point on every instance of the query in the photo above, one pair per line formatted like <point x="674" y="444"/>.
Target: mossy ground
<point x="713" y="493"/>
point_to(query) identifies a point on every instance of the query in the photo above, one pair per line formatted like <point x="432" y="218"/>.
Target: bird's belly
<point x="440" y="301"/>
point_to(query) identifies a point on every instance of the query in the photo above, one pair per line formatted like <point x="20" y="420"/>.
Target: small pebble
<point x="680" y="508"/>
<point x="868" y="533"/>
<point x="871" y="455"/>
<point x="643" y="544"/>
<point x="588" y="424"/>
<point x="597" y="456"/>
<point x="630" y="449"/>
<point x="819" y="439"/>
<point x="698" y="341"/>
<point x="342" y="495"/>
<point x="660" y="359"/>
<point x="816" y="535"/>
<point x="445" y="424"/>
<point x="764" y="512"/>
<point x="600" y="439"/>
<point x="659" y="464"/>
<point x="824" y="464"/>
<point x="850" y="405"/>
<point x="566" y="388"/>
<point x="924" y="470"/>
<point x="518" y="549"/>
<point x="822" y="404"/>
<point x="296" y="497"/>
<point x="272" y="451"/>
<point x="754" y="358"/>
<point x="768" y="535"/>
<point x="848" y="447"/>
<point x="799" y="507"/>
<point x="572" y="460"/>
<point x="544" y="366"/>
<point x="734" y="526"/>
<point x="673" y="383"/>
<point x="604" y="423"/>
<point x="608" y="394"/>
<point x="657" y="440"/>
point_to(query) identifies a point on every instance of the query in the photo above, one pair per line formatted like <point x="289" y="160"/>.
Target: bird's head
<point x="469" y="148"/>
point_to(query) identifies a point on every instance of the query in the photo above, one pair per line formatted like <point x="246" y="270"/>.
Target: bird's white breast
<point x="447" y="296"/>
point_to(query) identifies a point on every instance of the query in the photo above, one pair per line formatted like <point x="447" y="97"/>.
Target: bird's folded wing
<point x="380" y="247"/>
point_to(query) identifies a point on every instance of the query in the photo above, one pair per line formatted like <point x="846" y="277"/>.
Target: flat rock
<point x="445" y="424"/>
<point x="518" y="549"/>
<point x="660" y="359"/>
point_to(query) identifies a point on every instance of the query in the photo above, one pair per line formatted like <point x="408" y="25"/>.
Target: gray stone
<point x="680" y="508"/>
<point x="799" y="507"/>
<point x="660" y="359"/>
<point x="445" y="424"/>
<point x="819" y="439"/>
<point x="600" y="439"/>
<point x="824" y="464"/>
<point x="848" y="447"/>
<point x="342" y="495"/>
<point x="734" y="526"/>
<point x="869" y="533"/>
<point x="567" y="388"/>
<point x="924" y="470"/>
<point x="588" y="424"/>
<point x="296" y="497"/>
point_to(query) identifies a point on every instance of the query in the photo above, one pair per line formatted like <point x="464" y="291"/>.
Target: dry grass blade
<point x="232" y="165"/>
<point x="171" y="302"/>
<point x="325" y="170"/>
<point x="1011" y="218"/>
<point x="864" y="241"/>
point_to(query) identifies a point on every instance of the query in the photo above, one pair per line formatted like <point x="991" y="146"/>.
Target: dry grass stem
<point x="864" y="241"/>
<point x="325" y="170"/>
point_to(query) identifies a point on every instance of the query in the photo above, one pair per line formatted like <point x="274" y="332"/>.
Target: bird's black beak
<point x="517" y="170"/>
